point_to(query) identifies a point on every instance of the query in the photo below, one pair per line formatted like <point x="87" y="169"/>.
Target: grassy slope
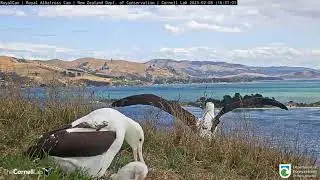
<point x="237" y="157"/>
<point x="49" y="70"/>
<point x="117" y="67"/>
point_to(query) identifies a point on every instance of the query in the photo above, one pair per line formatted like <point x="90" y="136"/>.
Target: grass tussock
<point x="192" y="158"/>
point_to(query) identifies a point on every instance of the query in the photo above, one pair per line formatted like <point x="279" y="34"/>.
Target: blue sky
<point x="274" y="33"/>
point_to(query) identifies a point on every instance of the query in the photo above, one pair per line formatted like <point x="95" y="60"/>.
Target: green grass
<point x="192" y="158"/>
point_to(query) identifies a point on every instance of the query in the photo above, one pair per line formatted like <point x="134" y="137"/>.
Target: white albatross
<point x="207" y="125"/>
<point x="91" y="142"/>
<point x="132" y="171"/>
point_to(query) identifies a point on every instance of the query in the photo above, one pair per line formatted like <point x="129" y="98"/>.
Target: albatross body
<point x="206" y="121"/>
<point x="91" y="142"/>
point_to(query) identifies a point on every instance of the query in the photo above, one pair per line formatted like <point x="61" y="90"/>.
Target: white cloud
<point x="116" y="12"/>
<point x="35" y="48"/>
<point x="46" y="52"/>
<point x="173" y="29"/>
<point x="30" y="50"/>
<point x="11" y="12"/>
<point x="276" y="54"/>
<point x="183" y="51"/>
<point x="315" y="52"/>
<point x="247" y="15"/>
<point x="205" y="26"/>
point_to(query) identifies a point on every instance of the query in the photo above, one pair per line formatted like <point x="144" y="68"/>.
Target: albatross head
<point x="135" y="137"/>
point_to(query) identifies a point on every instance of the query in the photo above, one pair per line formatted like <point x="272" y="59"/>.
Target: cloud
<point x="30" y="50"/>
<point x="247" y="15"/>
<point x="182" y="51"/>
<point x="173" y="29"/>
<point x="116" y="12"/>
<point x="46" y="52"/>
<point x="205" y="26"/>
<point x="35" y="48"/>
<point x="11" y="11"/>
<point x="12" y="29"/>
<point x="276" y="54"/>
<point x="303" y="8"/>
<point x="315" y="52"/>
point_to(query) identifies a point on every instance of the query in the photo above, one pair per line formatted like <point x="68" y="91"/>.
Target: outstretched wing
<point x="251" y="102"/>
<point x="71" y="142"/>
<point x="149" y="99"/>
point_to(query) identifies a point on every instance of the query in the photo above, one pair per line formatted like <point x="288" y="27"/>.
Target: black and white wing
<point x="251" y="102"/>
<point x="78" y="141"/>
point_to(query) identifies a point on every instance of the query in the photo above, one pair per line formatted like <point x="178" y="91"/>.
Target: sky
<point x="255" y="32"/>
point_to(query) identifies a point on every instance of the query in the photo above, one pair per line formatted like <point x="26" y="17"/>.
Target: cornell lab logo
<point x="285" y="170"/>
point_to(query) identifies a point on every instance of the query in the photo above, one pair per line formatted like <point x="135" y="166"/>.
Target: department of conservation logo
<point x="285" y="170"/>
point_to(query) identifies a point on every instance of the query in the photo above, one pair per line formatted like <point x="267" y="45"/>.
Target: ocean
<point x="305" y="91"/>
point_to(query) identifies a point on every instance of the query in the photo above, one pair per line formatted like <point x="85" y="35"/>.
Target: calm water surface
<point x="299" y="90"/>
<point x="306" y="91"/>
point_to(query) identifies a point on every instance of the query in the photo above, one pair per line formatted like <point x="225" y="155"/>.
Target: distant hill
<point x="92" y="71"/>
<point x="89" y="71"/>
<point x="7" y="63"/>
<point x="112" y="67"/>
<point x="222" y="69"/>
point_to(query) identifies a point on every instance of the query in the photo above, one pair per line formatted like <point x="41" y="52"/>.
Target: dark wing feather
<point x="251" y="102"/>
<point x="149" y="99"/>
<point x="75" y="144"/>
<point x="80" y="144"/>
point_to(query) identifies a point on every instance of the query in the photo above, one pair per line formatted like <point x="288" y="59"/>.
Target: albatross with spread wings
<point x="91" y="142"/>
<point x="207" y="125"/>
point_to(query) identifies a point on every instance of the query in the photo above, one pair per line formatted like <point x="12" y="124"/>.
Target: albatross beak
<point x="135" y="154"/>
<point x="140" y="153"/>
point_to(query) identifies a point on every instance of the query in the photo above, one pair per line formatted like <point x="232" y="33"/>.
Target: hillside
<point x="88" y="71"/>
<point x="112" y="67"/>
<point x="92" y="71"/>
<point x="7" y="64"/>
<point x="37" y="73"/>
<point x="224" y="70"/>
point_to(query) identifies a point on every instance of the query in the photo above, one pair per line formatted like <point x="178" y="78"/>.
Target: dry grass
<point x="6" y="64"/>
<point x="43" y="72"/>
<point x="117" y="67"/>
<point x="225" y="157"/>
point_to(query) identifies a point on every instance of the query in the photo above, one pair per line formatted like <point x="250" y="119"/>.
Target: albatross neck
<point x="129" y="124"/>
